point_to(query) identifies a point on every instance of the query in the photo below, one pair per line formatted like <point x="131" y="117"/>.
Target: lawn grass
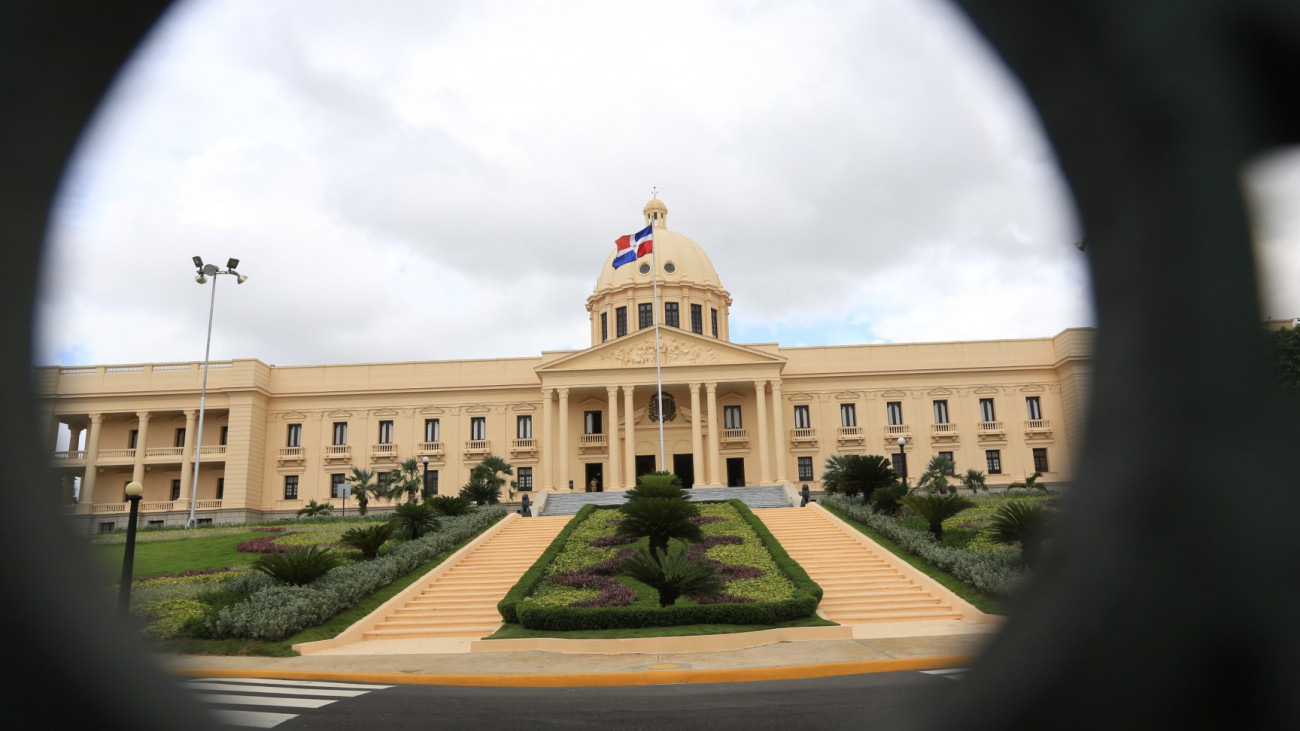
<point x="329" y="630"/>
<point x="515" y="631"/>
<point x="174" y="557"/>
<point x="977" y="599"/>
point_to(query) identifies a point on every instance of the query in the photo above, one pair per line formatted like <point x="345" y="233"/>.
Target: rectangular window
<point x="294" y="439"/>
<point x="672" y="318"/>
<point x="805" y="468"/>
<point x="986" y="410"/>
<point x="203" y="521"/>
<point x="900" y="463"/>
<point x="604" y="326"/>
<point x="525" y="475"/>
<point x="224" y="436"/>
<point x="179" y="440"/>
<point x="948" y="456"/>
<point x="338" y="484"/>
<point x="731" y="417"/>
<point x="176" y="489"/>
<point x="432" y="432"/>
<point x="848" y="415"/>
<point x="431" y="482"/>
<point x="385" y="432"/>
<point x="697" y="319"/>
<point x="221" y="488"/>
<point x="132" y="438"/>
<point x="381" y="480"/>
<point x="801" y="420"/>
<point x="994" y="459"/>
<point x="894" y="412"/>
<point x="478" y="428"/>
<point x="1040" y="459"/>
<point x="524" y="427"/>
<point x="290" y="487"/>
<point x="620" y="322"/>
<point x="1034" y="407"/>
<point x="941" y="412"/>
<point x="340" y="433"/>
<point x="645" y="314"/>
<point x="156" y="523"/>
<point x="713" y="313"/>
<point x="106" y="526"/>
<point x="592" y="423"/>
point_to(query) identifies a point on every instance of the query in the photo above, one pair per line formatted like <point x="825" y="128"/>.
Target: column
<point x="615" y="478"/>
<point x="629" y="439"/>
<point x="763" y="437"/>
<point x="715" y="424"/>
<point x="187" y="457"/>
<point x="137" y="472"/>
<point x="697" y="437"/>
<point x="547" y="459"/>
<point x="53" y="436"/>
<point x="92" y="449"/>
<point x="562" y="454"/>
<point x="781" y="451"/>
<point x="74" y="437"/>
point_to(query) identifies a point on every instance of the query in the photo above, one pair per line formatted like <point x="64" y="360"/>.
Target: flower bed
<point x="574" y="585"/>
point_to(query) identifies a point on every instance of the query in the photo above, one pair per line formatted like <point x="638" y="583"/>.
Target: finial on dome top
<point x="656" y="213"/>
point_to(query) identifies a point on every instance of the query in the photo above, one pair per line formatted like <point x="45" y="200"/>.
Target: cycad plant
<point x="885" y="500"/>
<point x="413" y="520"/>
<point x="449" y="504"/>
<point x="299" y="566"/>
<point x="673" y="574"/>
<point x="1023" y="522"/>
<point x="314" y="509"/>
<point x="1030" y="483"/>
<point x="368" y="540"/>
<point x="658" y="484"/>
<point x="659" y="519"/>
<point x="857" y="474"/>
<point x="936" y="508"/>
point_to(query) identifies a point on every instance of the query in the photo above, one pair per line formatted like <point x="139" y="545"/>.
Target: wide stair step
<point x="462" y="601"/>
<point x="859" y="585"/>
<point x="758" y="497"/>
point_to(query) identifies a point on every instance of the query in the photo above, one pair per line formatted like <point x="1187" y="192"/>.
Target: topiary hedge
<point x="535" y="573"/>
<point x="802" y="603"/>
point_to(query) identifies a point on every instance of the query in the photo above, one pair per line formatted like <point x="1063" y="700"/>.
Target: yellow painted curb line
<point x="586" y="680"/>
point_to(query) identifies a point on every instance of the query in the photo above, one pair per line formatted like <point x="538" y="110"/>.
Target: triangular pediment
<point x="385" y="412"/>
<point x="986" y="391"/>
<point x="940" y="391"/>
<point x="477" y="409"/>
<point x="846" y="395"/>
<point x="339" y="413"/>
<point x="523" y="406"/>
<point x="676" y="349"/>
<point x="800" y="397"/>
<point x="295" y="415"/>
<point x="431" y="410"/>
<point x="1032" y="389"/>
<point x="894" y="393"/>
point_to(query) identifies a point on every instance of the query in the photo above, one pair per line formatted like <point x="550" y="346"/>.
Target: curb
<point x="586" y="680"/>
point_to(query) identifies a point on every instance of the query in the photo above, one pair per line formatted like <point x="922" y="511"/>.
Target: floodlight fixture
<point x="201" y="279"/>
<point x="198" y="262"/>
<point x="232" y="263"/>
<point x="240" y="278"/>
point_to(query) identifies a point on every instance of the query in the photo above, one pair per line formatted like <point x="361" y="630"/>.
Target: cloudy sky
<point x="410" y="180"/>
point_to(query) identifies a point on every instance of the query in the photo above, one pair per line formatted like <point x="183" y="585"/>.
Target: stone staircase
<point x="769" y="496"/>
<point x="462" y="602"/>
<point x="860" y="585"/>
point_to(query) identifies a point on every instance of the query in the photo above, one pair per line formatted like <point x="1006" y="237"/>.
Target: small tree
<point x="1030" y="483"/>
<point x="1025" y="523"/>
<point x="936" y="508"/>
<point x="299" y="566"/>
<point x="936" y="474"/>
<point x="974" y="481"/>
<point x="857" y="474"/>
<point x="673" y="574"/>
<point x="314" y="509"/>
<point x="405" y="479"/>
<point x="364" y="488"/>
<point x="659" y="519"/>
<point x="885" y="500"/>
<point x="413" y="520"/>
<point x="658" y="484"/>
<point x="368" y="540"/>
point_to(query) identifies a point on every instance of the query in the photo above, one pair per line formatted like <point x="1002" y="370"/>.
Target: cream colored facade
<point x="757" y="414"/>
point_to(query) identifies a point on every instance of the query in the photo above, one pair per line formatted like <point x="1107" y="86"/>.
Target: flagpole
<point x="659" y="374"/>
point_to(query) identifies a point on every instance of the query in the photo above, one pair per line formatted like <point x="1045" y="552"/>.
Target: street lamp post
<point x="902" y="458"/>
<point x="204" y="272"/>
<point x="424" y="485"/>
<point x="133" y="492"/>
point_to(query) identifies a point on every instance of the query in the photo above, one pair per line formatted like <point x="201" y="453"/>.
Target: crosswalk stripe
<point x="257" y="700"/>
<point x="949" y="673"/>
<point x="295" y="683"/>
<point x="224" y="696"/>
<point x="287" y="690"/>
<point x="253" y="719"/>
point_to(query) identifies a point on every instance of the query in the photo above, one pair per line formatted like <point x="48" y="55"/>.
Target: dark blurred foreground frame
<point x="1169" y="596"/>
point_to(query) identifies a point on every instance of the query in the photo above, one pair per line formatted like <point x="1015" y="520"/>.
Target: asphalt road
<point x="872" y="701"/>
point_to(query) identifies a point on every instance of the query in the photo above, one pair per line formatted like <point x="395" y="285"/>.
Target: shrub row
<point x="802" y="603"/>
<point x="997" y="574"/>
<point x="275" y="611"/>
<point x="535" y="573"/>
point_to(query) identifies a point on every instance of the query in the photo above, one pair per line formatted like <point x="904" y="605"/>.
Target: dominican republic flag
<point x="633" y="247"/>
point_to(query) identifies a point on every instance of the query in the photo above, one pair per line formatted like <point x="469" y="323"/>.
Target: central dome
<point x="680" y="259"/>
<point x="690" y="295"/>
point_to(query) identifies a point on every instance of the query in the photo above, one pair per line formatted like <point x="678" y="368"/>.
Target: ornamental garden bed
<point x="576" y="585"/>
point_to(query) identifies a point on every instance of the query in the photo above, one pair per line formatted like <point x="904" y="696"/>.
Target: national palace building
<point x="277" y="437"/>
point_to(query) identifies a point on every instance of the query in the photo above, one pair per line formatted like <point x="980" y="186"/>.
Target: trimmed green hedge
<point x="535" y="573"/>
<point x="803" y="603"/>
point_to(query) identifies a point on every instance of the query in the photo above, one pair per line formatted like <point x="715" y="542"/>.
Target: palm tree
<point x="936" y="508"/>
<point x="1029" y="483"/>
<point x="1023" y="522"/>
<point x="364" y="487"/>
<point x="659" y="519"/>
<point x="412" y="520"/>
<point x="492" y="468"/>
<point x="857" y="474"/>
<point x="314" y="509"/>
<point x="405" y="479"/>
<point x="974" y="480"/>
<point x="935" y="477"/>
<point x="673" y="574"/>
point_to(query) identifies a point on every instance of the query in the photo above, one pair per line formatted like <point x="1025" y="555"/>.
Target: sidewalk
<point x="780" y="661"/>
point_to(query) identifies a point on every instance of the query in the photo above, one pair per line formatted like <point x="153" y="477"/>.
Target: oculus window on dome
<point x="669" y="268"/>
<point x="645" y="268"/>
